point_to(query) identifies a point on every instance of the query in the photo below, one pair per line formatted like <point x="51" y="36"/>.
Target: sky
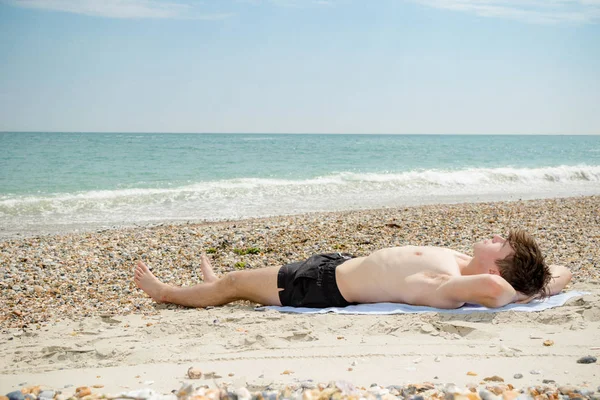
<point x="301" y="66"/>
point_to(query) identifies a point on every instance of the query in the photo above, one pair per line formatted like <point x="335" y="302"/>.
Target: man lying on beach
<point x="501" y="271"/>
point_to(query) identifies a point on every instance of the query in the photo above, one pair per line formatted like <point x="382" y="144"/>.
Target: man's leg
<point x="259" y="286"/>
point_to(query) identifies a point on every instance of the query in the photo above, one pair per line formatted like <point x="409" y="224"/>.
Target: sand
<point x="70" y="315"/>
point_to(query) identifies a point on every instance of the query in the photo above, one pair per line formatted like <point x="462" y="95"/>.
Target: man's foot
<point x="150" y="284"/>
<point x="208" y="275"/>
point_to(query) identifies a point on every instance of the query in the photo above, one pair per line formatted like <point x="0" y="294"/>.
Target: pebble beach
<point x="56" y="280"/>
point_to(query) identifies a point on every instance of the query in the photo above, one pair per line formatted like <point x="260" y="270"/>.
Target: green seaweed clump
<point x="249" y="250"/>
<point x="240" y="265"/>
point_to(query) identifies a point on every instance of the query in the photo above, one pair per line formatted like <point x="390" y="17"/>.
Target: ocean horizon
<point x="57" y="182"/>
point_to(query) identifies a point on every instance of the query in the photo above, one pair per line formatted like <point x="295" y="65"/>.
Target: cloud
<point x="122" y="8"/>
<point x="531" y="11"/>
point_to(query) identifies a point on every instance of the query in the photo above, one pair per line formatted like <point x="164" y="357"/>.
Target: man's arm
<point x="444" y="291"/>
<point x="560" y="277"/>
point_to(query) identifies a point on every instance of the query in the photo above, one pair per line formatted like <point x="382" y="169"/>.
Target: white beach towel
<point x="397" y="308"/>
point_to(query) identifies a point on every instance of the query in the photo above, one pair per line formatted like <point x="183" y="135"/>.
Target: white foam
<point x="250" y="197"/>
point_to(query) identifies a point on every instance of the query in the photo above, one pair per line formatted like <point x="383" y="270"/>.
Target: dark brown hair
<point x="525" y="270"/>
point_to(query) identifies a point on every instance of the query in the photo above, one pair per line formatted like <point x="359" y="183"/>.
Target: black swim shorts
<point x="311" y="283"/>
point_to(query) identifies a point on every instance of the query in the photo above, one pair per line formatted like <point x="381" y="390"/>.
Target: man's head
<point x="517" y="259"/>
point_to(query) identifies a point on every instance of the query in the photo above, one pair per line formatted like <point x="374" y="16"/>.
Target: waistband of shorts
<point x="332" y="292"/>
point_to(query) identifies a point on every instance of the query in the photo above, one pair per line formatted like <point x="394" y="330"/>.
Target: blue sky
<point x="301" y="66"/>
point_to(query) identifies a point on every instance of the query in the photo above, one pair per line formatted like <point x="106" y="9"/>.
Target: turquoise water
<point x="51" y="179"/>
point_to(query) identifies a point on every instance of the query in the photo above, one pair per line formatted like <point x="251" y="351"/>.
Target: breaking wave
<point x="250" y="197"/>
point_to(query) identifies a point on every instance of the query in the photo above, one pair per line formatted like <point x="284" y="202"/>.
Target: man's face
<point x="490" y="250"/>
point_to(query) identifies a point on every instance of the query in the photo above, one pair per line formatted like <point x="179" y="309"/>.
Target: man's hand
<point x="524" y="299"/>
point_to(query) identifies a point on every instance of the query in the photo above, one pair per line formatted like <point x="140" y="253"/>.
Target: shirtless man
<point x="501" y="271"/>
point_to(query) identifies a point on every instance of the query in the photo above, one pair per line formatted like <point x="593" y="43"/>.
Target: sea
<point x="64" y="182"/>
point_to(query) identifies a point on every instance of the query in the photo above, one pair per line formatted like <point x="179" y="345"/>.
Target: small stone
<point x="518" y="376"/>
<point x="271" y="396"/>
<point x="185" y="390"/>
<point x="82" y="391"/>
<point x="194" y="373"/>
<point x="510" y="395"/>
<point x="535" y="372"/>
<point x="34" y="390"/>
<point x="494" y="378"/>
<point x="451" y="388"/>
<point x="47" y="395"/>
<point x="437" y="359"/>
<point x="586" y="392"/>
<point x="346" y="387"/>
<point x="487" y="395"/>
<point x="30" y="396"/>
<point x="498" y="389"/>
<point x="98" y="386"/>
<point x="423" y="387"/>
<point x="16" y="395"/>
<point x="471" y="373"/>
<point x="548" y="342"/>
<point x="243" y="394"/>
<point x="566" y="390"/>
<point x="308" y="385"/>
<point x="587" y="360"/>
<point x="287" y="372"/>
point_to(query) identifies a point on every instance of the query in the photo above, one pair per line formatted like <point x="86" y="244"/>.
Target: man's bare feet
<point x="150" y="284"/>
<point x="208" y="275"/>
